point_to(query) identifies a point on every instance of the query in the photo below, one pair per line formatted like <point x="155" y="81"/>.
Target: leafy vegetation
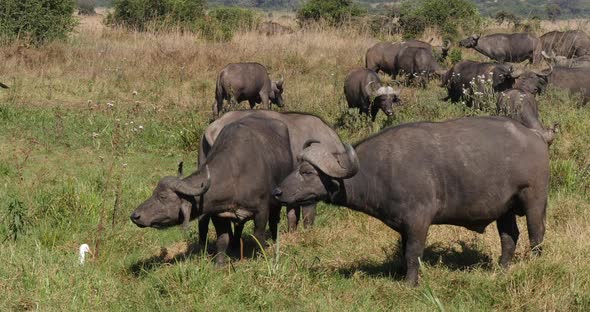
<point x="89" y="126"/>
<point x="36" y="21"/>
<point x="451" y="17"/>
<point x="332" y="11"/>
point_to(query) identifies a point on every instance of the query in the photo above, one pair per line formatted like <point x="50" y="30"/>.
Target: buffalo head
<point x="469" y="42"/>
<point x="504" y="76"/>
<point x="317" y="174"/>
<point x="171" y="202"/>
<point x="533" y="82"/>
<point x="384" y="97"/>
<point x="276" y="95"/>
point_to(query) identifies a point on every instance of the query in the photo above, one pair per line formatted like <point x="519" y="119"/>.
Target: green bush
<point x="412" y="26"/>
<point x="234" y="18"/>
<point x="332" y="11"/>
<point x="36" y="21"/>
<point x="160" y="14"/>
<point x="451" y="17"/>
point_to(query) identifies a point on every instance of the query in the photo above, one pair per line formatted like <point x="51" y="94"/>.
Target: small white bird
<point x="84" y="248"/>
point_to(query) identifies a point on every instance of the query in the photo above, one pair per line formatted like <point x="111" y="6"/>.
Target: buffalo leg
<point x="535" y="204"/>
<point x="508" y="231"/>
<point x="237" y="237"/>
<point x="416" y="239"/>
<point x="252" y="103"/>
<point x="293" y="213"/>
<point x="274" y="218"/>
<point x="203" y="230"/>
<point x="265" y="100"/>
<point x="260" y="221"/>
<point x="309" y="213"/>
<point x="224" y="234"/>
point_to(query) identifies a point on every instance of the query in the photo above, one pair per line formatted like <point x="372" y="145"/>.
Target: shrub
<point x="332" y="11"/>
<point x="412" y="26"/>
<point x="86" y="7"/>
<point x="451" y="17"/>
<point x="161" y="14"/>
<point x="36" y="21"/>
<point x="234" y="18"/>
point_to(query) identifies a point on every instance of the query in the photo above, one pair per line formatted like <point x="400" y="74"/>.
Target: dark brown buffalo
<point x="417" y="63"/>
<point x="558" y="60"/>
<point x="467" y="77"/>
<point x="382" y="56"/>
<point x="247" y="82"/>
<point x="576" y="80"/>
<point x="302" y="128"/>
<point x="519" y="103"/>
<point x="363" y="90"/>
<point x="505" y="48"/>
<point x="248" y="159"/>
<point x="571" y="43"/>
<point x="467" y="172"/>
<point x="273" y="28"/>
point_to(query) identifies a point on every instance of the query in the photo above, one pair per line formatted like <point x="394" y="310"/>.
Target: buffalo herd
<point x="467" y="172"/>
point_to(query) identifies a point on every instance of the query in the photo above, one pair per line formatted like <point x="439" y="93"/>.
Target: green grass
<point x="348" y="262"/>
<point x="66" y="181"/>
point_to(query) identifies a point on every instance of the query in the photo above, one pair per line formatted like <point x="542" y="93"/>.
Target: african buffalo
<point x="520" y="104"/>
<point x="571" y="43"/>
<point x="558" y="60"/>
<point x="467" y="172"/>
<point x="417" y="63"/>
<point x="273" y="28"/>
<point x="302" y="127"/>
<point x="467" y="77"/>
<point x="382" y="56"/>
<point x="248" y="159"/>
<point x="576" y="80"/>
<point x="247" y="82"/>
<point x="364" y="90"/>
<point x="504" y="48"/>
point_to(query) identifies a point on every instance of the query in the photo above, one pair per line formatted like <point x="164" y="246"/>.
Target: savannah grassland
<point x="74" y="162"/>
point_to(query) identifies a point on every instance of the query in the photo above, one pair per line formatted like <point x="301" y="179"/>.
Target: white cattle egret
<point x="84" y="248"/>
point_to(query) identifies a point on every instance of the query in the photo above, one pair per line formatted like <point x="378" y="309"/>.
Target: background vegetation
<point x="91" y="123"/>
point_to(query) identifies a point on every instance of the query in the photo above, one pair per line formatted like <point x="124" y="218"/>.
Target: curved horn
<point x="447" y="45"/>
<point x="543" y="73"/>
<point x="475" y="36"/>
<point x="184" y="187"/>
<point x="180" y="169"/>
<point x="343" y="165"/>
<point x="546" y="56"/>
<point x="3" y="86"/>
<point x="369" y="90"/>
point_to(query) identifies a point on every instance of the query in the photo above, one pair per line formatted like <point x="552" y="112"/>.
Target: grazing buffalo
<point x="576" y="80"/>
<point x="504" y="48"/>
<point x="571" y="43"/>
<point x="247" y="82"/>
<point x="248" y="159"/>
<point x="364" y="90"/>
<point x="558" y="60"/>
<point x="467" y="172"/>
<point x="302" y="128"/>
<point x="273" y="28"/>
<point x="3" y="86"/>
<point x="519" y="103"/>
<point x="382" y="56"/>
<point x="467" y="77"/>
<point x="417" y="63"/>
